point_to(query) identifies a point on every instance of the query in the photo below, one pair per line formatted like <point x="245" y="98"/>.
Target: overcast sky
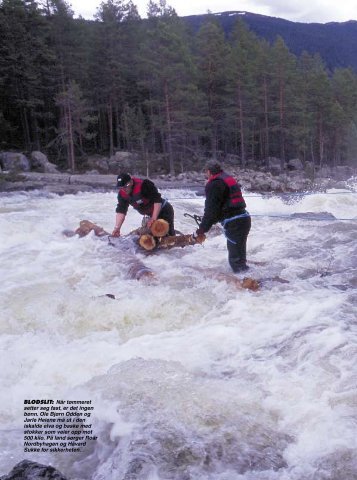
<point x="320" y="11"/>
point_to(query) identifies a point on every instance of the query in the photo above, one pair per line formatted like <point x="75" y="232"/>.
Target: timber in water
<point x="155" y="238"/>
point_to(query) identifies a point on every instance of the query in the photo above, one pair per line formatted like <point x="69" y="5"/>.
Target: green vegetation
<point x="71" y="87"/>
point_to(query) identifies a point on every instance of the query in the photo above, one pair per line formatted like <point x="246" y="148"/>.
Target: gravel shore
<point x="64" y="183"/>
<point x="250" y="180"/>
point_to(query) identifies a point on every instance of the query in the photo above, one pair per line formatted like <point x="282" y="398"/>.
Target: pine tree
<point x="74" y="121"/>
<point x="344" y="89"/>
<point x="283" y="85"/>
<point x="244" y="74"/>
<point x="26" y="61"/>
<point x="167" y="72"/>
<point x="265" y="98"/>
<point x="160" y="9"/>
<point x="212" y="55"/>
<point x="317" y="101"/>
<point x="111" y="82"/>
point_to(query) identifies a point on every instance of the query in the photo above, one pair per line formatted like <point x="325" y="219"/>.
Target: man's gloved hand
<point x="198" y="235"/>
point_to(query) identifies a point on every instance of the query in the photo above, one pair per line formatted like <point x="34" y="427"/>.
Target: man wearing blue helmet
<point x="145" y="198"/>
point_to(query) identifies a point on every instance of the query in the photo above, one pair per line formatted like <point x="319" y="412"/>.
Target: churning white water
<point x="190" y="378"/>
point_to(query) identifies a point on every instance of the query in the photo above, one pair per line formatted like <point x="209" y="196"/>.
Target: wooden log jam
<point x="160" y="228"/>
<point x="135" y="268"/>
<point x="147" y="242"/>
<point x="156" y="237"/>
<point x="150" y="242"/>
<point x="180" y="241"/>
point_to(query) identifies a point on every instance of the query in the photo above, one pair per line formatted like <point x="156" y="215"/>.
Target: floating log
<point x="247" y="283"/>
<point x="147" y="242"/>
<point x="136" y="269"/>
<point x="143" y="230"/>
<point x="180" y="241"/>
<point x="160" y="228"/>
<point x="250" y="284"/>
<point x="85" y="227"/>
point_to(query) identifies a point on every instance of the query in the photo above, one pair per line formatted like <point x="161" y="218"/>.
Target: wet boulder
<point x="27" y="470"/>
<point x="123" y="161"/>
<point x="14" y="162"/>
<point x="343" y="172"/>
<point x="324" y="172"/>
<point x="40" y="163"/>
<point x="98" y="163"/>
<point x="274" y="165"/>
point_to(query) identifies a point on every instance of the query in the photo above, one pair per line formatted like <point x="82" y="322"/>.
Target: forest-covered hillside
<point x="71" y="87"/>
<point x="335" y="42"/>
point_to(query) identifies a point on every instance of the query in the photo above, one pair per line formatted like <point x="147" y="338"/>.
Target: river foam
<point x="190" y="377"/>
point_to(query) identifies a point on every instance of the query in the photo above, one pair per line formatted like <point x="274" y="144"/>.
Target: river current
<point x="190" y="377"/>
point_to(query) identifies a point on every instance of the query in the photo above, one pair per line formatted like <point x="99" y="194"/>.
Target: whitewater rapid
<point x="190" y="378"/>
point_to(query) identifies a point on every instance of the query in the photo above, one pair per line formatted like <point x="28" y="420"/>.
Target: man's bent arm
<point x="155" y="214"/>
<point x="119" y="220"/>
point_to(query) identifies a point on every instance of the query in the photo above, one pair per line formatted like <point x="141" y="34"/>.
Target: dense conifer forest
<point x="334" y="41"/>
<point x="72" y="87"/>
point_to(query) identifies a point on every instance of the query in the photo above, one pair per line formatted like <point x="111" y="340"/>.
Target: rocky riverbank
<point x="19" y="172"/>
<point x="251" y="181"/>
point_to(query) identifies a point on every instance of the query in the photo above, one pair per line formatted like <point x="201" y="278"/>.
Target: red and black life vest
<point x="136" y="200"/>
<point x="235" y="198"/>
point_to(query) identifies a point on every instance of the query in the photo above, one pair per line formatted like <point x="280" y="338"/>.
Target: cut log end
<point x="250" y="284"/>
<point x="160" y="228"/>
<point x="147" y="242"/>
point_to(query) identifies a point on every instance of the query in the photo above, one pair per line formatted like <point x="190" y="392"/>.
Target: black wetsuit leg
<point x="167" y="213"/>
<point x="237" y="233"/>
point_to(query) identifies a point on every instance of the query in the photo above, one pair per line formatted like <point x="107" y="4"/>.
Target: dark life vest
<point x="136" y="200"/>
<point x="235" y="199"/>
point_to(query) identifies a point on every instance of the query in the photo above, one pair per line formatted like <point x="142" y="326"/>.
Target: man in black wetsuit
<point x="225" y="204"/>
<point x="145" y="198"/>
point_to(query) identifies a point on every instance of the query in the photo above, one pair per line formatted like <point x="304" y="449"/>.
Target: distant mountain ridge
<point x="335" y="42"/>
